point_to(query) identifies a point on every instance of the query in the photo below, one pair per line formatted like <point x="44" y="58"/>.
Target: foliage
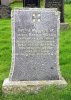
<point x="67" y="1"/>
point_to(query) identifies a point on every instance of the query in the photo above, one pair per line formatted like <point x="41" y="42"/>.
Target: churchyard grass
<point x="50" y="93"/>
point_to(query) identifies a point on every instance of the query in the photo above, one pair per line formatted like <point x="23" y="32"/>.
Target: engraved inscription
<point x="54" y="3"/>
<point x="41" y="43"/>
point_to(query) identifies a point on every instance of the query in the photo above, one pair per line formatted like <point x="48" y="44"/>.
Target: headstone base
<point x="29" y="86"/>
<point x="64" y="26"/>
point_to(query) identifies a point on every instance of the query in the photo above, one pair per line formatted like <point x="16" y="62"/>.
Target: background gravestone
<point x="59" y="4"/>
<point x="31" y="3"/>
<point x="5" y="11"/>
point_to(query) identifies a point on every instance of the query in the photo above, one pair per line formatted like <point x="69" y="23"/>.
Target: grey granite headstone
<point x="35" y="50"/>
<point x="35" y="45"/>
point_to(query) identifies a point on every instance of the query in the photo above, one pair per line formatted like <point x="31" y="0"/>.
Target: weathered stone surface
<point x="35" y="45"/>
<point x="5" y="11"/>
<point x="30" y="86"/>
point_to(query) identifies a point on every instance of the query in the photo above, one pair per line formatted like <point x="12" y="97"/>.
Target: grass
<point x="49" y="93"/>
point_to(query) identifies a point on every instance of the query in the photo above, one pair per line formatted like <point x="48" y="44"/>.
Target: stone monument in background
<point x="35" y="50"/>
<point x="31" y="3"/>
<point x="5" y="10"/>
<point x="59" y="4"/>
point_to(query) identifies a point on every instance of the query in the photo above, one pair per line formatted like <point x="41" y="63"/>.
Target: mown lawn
<point x="50" y="93"/>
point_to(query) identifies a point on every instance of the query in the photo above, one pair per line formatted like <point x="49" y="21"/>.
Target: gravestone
<point x="35" y="50"/>
<point x="31" y="3"/>
<point x="5" y="11"/>
<point x="59" y="4"/>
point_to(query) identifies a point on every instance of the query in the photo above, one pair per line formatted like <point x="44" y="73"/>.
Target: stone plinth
<point x="64" y="26"/>
<point x="30" y="86"/>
